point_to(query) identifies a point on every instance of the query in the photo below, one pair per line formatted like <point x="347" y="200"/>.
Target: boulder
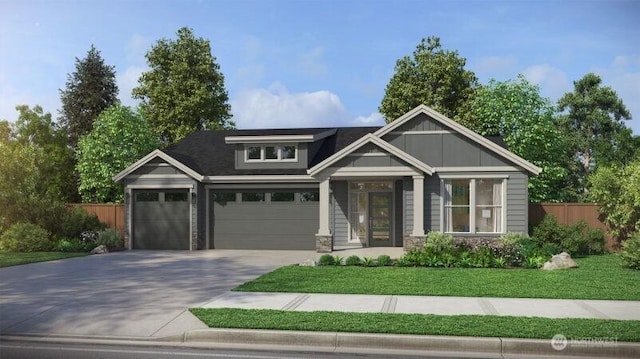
<point x="101" y="249"/>
<point x="560" y="261"/>
<point x="308" y="263"/>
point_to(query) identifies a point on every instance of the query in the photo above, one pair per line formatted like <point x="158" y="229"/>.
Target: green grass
<point x="599" y="277"/>
<point x="16" y="258"/>
<point x="458" y="325"/>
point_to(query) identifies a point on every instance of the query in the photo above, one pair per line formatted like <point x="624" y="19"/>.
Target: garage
<point x="257" y="219"/>
<point x="161" y="219"/>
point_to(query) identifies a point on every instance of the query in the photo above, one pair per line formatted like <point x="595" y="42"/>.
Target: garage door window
<point x="147" y="196"/>
<point x="253" y="197"/>
<point x="282" y="197"/>
<point x="175" y="197"/>
<point x="309" y="197"/>
<point x="224" y="197"/>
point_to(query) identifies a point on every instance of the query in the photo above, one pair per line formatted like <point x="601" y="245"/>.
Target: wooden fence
<point x="109" y="214"/>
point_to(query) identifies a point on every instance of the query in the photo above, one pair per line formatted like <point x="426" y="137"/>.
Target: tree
<point x="516" y="111"/>
<point x="119" y="138"/>
<point x="184" y="89"/>
<point x="593" y="121"/>
<point x="53" y="159"/>
<point x="434" y="77"/>
<point x="89" y="90"/>
<point x="615" y="188"/>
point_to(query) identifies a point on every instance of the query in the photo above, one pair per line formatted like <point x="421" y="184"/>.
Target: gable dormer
<point x="275" y="149"/>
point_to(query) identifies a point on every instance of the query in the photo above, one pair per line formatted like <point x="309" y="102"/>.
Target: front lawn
<point x="599" y="277"/>
<point x="16" y="258"/>
<point x="421" y="324"/>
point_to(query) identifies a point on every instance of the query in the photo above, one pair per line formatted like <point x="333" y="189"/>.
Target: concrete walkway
<point x="523" y="307"/>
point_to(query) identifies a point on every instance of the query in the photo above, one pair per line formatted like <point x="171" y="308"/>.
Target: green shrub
<point x="464" y="259"/>
<point x="576" y="239"/>
<point x="337" y="260"/>
<point x="549" y="250"/>
<point x="25" y="237"/>
<point x="384" y="260"/>
<point x="595" y="238"/>
<point x="512" y="238"/>
<point x="534" y="262"/>
<point x="353" y="261"/>
<point x="482" y="258"/>
<point x="368" y="262"/>
<point x="76" y="221"/>
<point x="72" y="245"/>
<point x="438" y="242"/>
<point x="326" y="260"/>
<point x="499" y="262"/>
<point x="549" y="231"/>
<point x="402" y="262"/>
<point x="630" y="255"/>
<point x="110" y="238"/>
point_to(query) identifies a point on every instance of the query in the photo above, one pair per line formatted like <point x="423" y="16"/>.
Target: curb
<point x="345" y="342"/>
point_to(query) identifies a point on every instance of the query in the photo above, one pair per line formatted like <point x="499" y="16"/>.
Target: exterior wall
<point x="398" y="222"/>
<point x="301" y="162"/>
<point x="369" y="156"/>
<point x="432" y="201"/>
<point x="340" y="191"/>
<point x="518" y="203"/>
<point x="407" y="196"/>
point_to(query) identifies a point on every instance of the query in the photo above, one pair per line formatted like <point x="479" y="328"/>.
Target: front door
<point x="380" y="214"/>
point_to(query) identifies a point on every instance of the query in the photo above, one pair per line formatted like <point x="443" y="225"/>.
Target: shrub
<point x="499" y="262"/>
<point x="326" y="260"/>
<point x="595" y="238"/>
<point x="630" y="254"/>
<point x="384" y="260"/>
<point x="110" y="238"/>
<point x="25" y="237"/>
<point x="71" y="245"/>
<point x="337" y="260"/>
<point x="482" y="257"/>
<point x="576" y="239"/>
<point x="512" y="238"/>
<point x="534" y="262"/>
<point x="353" y="261"/>
<point x="438" y="242"/>
<point x="76" y="221"/>
<point x="368" y="262"/>
<point x="549" y="231"/>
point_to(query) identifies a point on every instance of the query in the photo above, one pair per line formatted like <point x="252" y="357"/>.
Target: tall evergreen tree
<point x="89" y="90"/>
<point x="184" y="89"/>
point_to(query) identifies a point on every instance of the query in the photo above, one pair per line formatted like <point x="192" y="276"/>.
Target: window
<point x="253" y="197"/>
<point x="359" y="207"/>
<point x="309" y="196"/>
<point x="147" y="196"/>
<point x="270" y="153"/>
<point x="175" y="197"/>
<point x="282" y="197"/>
<point x="473" y="205"/>
<point x="224" y="197"/>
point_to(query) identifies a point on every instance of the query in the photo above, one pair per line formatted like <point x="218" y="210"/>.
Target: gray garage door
<point x="264" y="220"/>
<point x="161" y="219"/>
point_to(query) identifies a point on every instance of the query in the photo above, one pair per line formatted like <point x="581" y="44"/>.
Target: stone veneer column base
<point x="324" y="243"/>
<point x="410" y="243"/>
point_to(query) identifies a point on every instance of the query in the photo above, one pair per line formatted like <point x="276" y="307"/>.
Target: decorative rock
<point x="410" y="243"/>
<point x="560" y="261"/>
<point x="324" y="244"/>
<point x="101" y="249"/>
<point x="308" y="263"/>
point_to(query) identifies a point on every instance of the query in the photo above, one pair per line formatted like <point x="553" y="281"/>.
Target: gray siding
<point x="398" y="222"/>
<point x="340" y="213"/>
<point x="407" y="190"/>
<point x="156" y="169"/>
<point x="301" y="162"/>
<point x="517" y="203"/>
<point x="432" y="200"/>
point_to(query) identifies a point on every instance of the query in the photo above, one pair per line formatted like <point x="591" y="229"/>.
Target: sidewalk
<point x="524" y="307"/>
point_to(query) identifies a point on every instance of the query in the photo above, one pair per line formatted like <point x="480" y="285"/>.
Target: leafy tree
<point x="516" y="111"/>
<point x="119" y="138"/>
<point x="184" y="89"/>
<point x="434" y="77"/>
<point x="593" y="121"/>
<point x="89" y="90"/>
<point x="53" y="159"/>
<point x="615" y="188"/>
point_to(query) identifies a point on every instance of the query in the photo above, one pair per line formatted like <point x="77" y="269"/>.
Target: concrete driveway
<point x="125" y="294"/>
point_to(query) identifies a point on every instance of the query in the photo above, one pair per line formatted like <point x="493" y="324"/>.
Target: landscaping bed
<point x="421" y="324"/>
<point x="598" y="277"/>
<point x="16" y="258"/>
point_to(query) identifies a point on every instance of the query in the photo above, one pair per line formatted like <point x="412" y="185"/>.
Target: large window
<point x="473" y="205"/>
<point x="257" y="153"/>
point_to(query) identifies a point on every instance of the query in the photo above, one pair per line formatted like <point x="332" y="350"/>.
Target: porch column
<point x="324" y="239"/>
<point x="418" y="206"/>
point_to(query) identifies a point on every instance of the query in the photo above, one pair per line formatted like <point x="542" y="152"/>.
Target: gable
<point x="157" y="168"/>
<point x="152" y="162"/>
<point x="370" y="155"/>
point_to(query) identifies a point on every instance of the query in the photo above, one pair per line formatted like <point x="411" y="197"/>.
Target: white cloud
<point x="553" y="82"/>
<point x="310" y="63"/>
<point x="621" y="62"/>
<point x="126" y="81"/>
<point x="137" y="47"/>
<point x="276" y="107"/>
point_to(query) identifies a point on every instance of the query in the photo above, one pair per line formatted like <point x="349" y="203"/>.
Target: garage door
<point x="264" y="220"/>
<point x="161" y="219"/>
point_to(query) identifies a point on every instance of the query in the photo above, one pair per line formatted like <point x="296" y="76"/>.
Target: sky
<point x="320" y="63"/>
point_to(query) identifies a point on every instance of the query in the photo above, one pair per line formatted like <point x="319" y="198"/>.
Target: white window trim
<point x="472" y="204"/>
<point x="263" y="153"/>
<point x="350" y="239"/>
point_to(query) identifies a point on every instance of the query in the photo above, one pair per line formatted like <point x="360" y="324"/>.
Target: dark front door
<point x="380" y="215"/>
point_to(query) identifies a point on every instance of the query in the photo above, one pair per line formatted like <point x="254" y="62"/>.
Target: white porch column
<point x="323" y="229"/>
<point x="418" y="206"/>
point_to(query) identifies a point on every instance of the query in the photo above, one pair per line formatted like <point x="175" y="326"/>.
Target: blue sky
<point x="320" y="63"/>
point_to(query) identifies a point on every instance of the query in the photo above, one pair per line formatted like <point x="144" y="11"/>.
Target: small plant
<point x="25" y="237"/>
<point x="448" y="259"/>
<point x="464" y="259"/>
<point x="512" y="238"/>
<point x="499" y="262"/>
<point x="337" y="260"/>
<point x="630" y="255"/>
<point x="432" y="260"/>
<point x="71" y="245"/>
<point x="368" y="262"/>
<point x="402" y="262"/>
<point x="534" y="262"/>
<point x="353" y="261"/>
<point x="438" y="242"/>
<point x="384" y="260"/>
<point x="110" y="238"/>
<point x="482" y="258"/>
<point x="326" y="260"/>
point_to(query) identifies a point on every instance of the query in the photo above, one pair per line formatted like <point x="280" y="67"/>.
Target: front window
<point x="254" y="153"/>
<point x="473" y="205"/>
<point x="270" y="153"/>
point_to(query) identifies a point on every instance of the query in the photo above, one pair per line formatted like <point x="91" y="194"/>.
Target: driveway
<point x="126" y="294"/>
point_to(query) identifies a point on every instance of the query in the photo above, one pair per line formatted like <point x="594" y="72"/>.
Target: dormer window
<point x="259" y="153"/>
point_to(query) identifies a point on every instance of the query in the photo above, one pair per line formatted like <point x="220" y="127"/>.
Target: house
<point x="325" y="188"/>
